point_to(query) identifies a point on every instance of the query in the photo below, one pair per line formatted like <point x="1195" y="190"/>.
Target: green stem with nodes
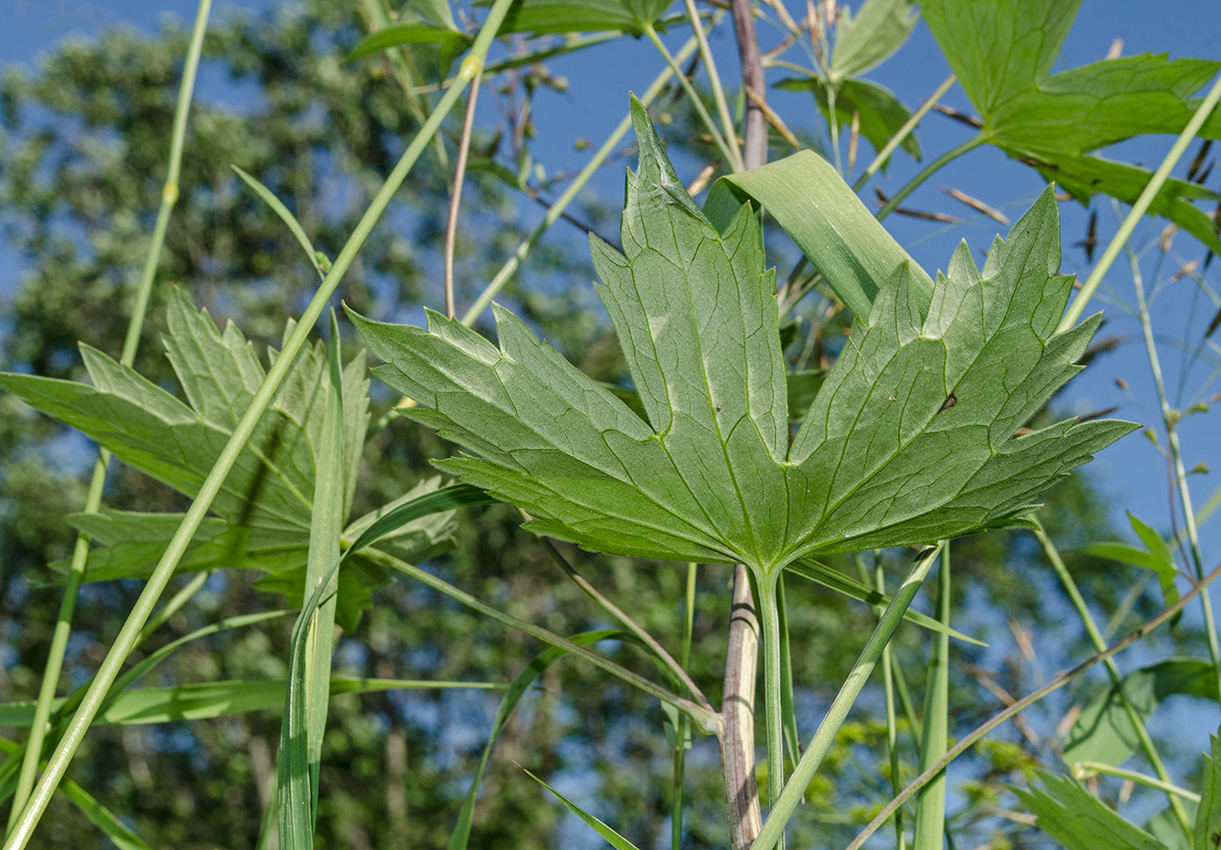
<point x="906" y="130"/>
<point x="1086" y="769"/>
<point x="731" y="156"/>
<point x="1141" y="206"/>
<point x="97" y="483"/>
<point x="1099" y="644"/>
<point x="126" y="639"/>
<point x="1170" y="419"/>
<point x="714" y="80"/>
<point x="561" y="203"/>
<point x="769" y="620"/>
<point x="782" y="809"/>
<point x="928" y="171"/>
<point x="1024" y="703"/>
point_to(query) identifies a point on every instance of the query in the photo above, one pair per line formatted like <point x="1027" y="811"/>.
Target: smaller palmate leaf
<point x="265" y="503"/>
<point x="1079" y="820"/>
<point x="865" y="41"/>
<point x="909" y="439"/>
<point x="1003" y="53"/>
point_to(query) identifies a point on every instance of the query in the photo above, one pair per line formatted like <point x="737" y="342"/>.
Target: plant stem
<point x="928" y="171"/>
<point x="731" y="156"/>
<point x="1170" y="420"/>
<point x="737" y="740"/>
<point x="126" y="639"/>
<point x="754" y="151"/>
<point x="1086" y="769"/>
<point x="451" y="224"/>
<point x="1099" y="644"/>
<point x="906" y="130"/>
<point x="1140" y="207"/>
<point x="784" y="807"/>
<point x="1024" y="703"/>
<point x="742" y="655"/>
<point x="714" y="81"/>
<point x="561" y="203"/>
<point x="771" y="695"/>
<point x="97" y="483"/>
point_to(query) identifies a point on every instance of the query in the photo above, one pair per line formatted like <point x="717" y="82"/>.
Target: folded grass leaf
<point x="1003" y="54"/>
<point x="909" y="439"/>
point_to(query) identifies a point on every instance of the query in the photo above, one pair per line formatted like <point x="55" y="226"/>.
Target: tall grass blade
<point x="305" y="719"/>
<point x="613" y="838"/>
<point x="517" y="688"/>
<point x="930" y="807"/>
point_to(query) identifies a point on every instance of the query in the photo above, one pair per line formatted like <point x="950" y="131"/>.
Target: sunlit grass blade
<point x="461" y="833"/>
<point x="837" y="581"/>
<point x="613" y="838"/>
<point x="930" y="807"/>
<point x="286" y="216"/>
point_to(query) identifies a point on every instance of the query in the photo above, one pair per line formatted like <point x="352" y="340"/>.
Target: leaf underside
<point x="909" y="439"/>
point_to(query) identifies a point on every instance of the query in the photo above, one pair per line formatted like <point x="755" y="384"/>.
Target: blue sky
<point x="1132" y="473"/>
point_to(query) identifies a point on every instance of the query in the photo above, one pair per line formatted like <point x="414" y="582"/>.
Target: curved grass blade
<point x="613" y="838"/>
<point x="287" y="217"/>
<point x="835" y="230"/>
<point x="835" y="580"/>
<point x="445" y="499"/>
<point x="517" y="688"/>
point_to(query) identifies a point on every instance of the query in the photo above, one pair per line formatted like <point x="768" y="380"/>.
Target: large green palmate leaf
<point x="909" y="439"/>
<point x="263" y="512"/>
<point x="1003" y="51"/>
